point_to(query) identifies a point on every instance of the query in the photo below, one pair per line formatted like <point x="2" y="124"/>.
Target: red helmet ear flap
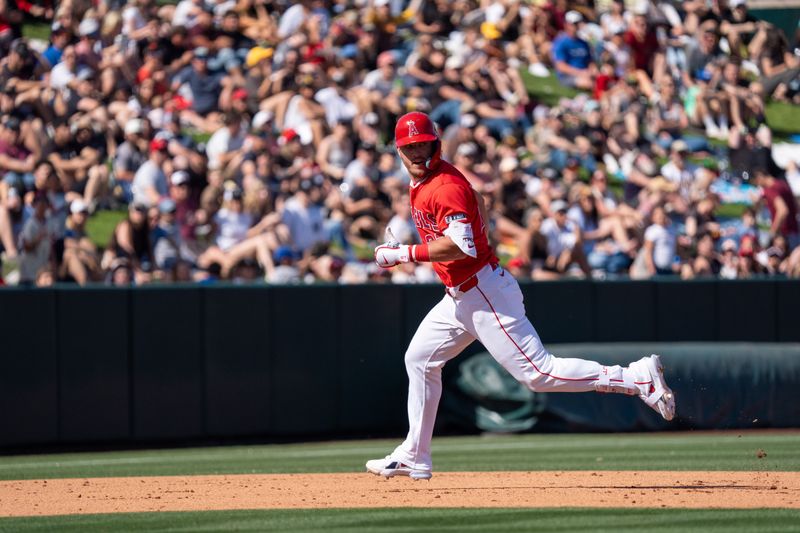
<point x="434" y="160"/>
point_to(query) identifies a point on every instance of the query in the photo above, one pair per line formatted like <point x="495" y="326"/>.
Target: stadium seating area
<point x="251" y="140"/>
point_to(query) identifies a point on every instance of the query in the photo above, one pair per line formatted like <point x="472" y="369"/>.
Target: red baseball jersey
<point x="441" y="200"/>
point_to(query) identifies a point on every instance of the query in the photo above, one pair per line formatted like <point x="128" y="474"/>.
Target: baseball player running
<point x="482" y="301"/>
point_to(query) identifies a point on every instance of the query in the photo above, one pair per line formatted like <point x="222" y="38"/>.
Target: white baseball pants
<point x="493" y="313"/>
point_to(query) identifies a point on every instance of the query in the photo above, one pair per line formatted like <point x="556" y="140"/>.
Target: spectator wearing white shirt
<point x="231" y="221"/>
<point x="130" y="156"/>
<point x="133" y="22"/>
<point x="35" y="241"/>
<point x="379" y="86"/>
<point x="659" y="244"/>
<point x="304" y="114"/>
<point x="680" y="172"/>
<point x="237" y="237"/>
<point x="150" y="182"/>
<point x="363" y="167"/>
<point x="338" y="108"/>
<point x="614" y="21"/>
<point x="66" y="70"/>
<point x="186" y="13"/>
<point x="226" y="143"/>
<point x="304" y="218"/>
<point x="293" y="18"/>
<point x="564" y="241"/>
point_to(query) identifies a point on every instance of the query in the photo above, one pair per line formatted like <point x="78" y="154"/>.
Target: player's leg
<point x="438" y="339"/>
<point x="499" y="322"/>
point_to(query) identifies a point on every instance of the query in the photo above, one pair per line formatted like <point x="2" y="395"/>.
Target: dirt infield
<point x="448" y="489"/>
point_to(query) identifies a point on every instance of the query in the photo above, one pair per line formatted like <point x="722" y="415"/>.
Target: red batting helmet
<point x="414" y="127"/>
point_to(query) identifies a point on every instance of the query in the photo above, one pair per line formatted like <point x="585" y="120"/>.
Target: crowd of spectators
<point x="252" y="139"/>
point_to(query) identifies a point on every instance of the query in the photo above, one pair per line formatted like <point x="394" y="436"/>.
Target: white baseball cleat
<point x="388" y="467"/>
<point x="657" y="395"/>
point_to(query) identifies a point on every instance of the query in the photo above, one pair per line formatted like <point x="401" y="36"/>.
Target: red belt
<point x="470" y="283"/>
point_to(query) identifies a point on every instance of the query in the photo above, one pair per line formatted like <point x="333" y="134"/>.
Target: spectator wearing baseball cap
<point x="80" y="261"/>
<point x="741" y="26"/>
<point x="682" y="173"/>
<point x="572" y="55"/>
<point x="185" y="204"/>
<point x="564" y="240"/>
<point x="205" y="87"/>
<point x="18" y="163"/>
<point x="729" y="260"/>
<point x="59" y="39"/>
<point x="129" y="157"/>
<point x="257" y="54"/>
<point x="381" y="84"/>
<point x="88" y="33"/>
<point x="512" y="190"/>
<point x="281" y="268"/>
<point x="259" y="79"/>
<point x="150" y="182"/>
<point x="239" y="103"/>
<point x="167" y="240"/>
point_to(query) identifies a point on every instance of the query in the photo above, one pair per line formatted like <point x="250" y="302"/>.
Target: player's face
<point x="414" y="157"/>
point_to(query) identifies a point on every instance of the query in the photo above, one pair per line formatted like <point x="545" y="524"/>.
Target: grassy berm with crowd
<point x="251" y="141"/>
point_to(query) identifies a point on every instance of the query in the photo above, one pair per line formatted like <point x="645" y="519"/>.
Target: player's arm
<point x="455" y="205"/>
<point x="444" y="250"/>
<point x="391" y="254"/>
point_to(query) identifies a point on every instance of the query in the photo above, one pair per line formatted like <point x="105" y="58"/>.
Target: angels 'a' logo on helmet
<point x="412" y="128"/>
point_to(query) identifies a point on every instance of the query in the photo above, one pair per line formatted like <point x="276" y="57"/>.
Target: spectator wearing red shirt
<point x="647" y="55"/>
<point x="782" y="206"/>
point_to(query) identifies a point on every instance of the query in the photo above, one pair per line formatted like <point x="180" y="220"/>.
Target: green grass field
<point x="670" y="451"/>
<point x="673" y="451"/>
<point x="416" y="520"/>
<point x="101" y="225"/>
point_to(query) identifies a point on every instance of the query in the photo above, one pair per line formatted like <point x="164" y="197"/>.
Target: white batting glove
<point x="392" y="254"/>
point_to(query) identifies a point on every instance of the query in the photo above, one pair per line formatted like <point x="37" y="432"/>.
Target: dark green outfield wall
<point x="188" y="363"/>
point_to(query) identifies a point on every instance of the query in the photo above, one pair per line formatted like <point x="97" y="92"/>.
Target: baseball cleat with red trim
<point x="388" y="467"/>
<point x="656" y="394"/>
